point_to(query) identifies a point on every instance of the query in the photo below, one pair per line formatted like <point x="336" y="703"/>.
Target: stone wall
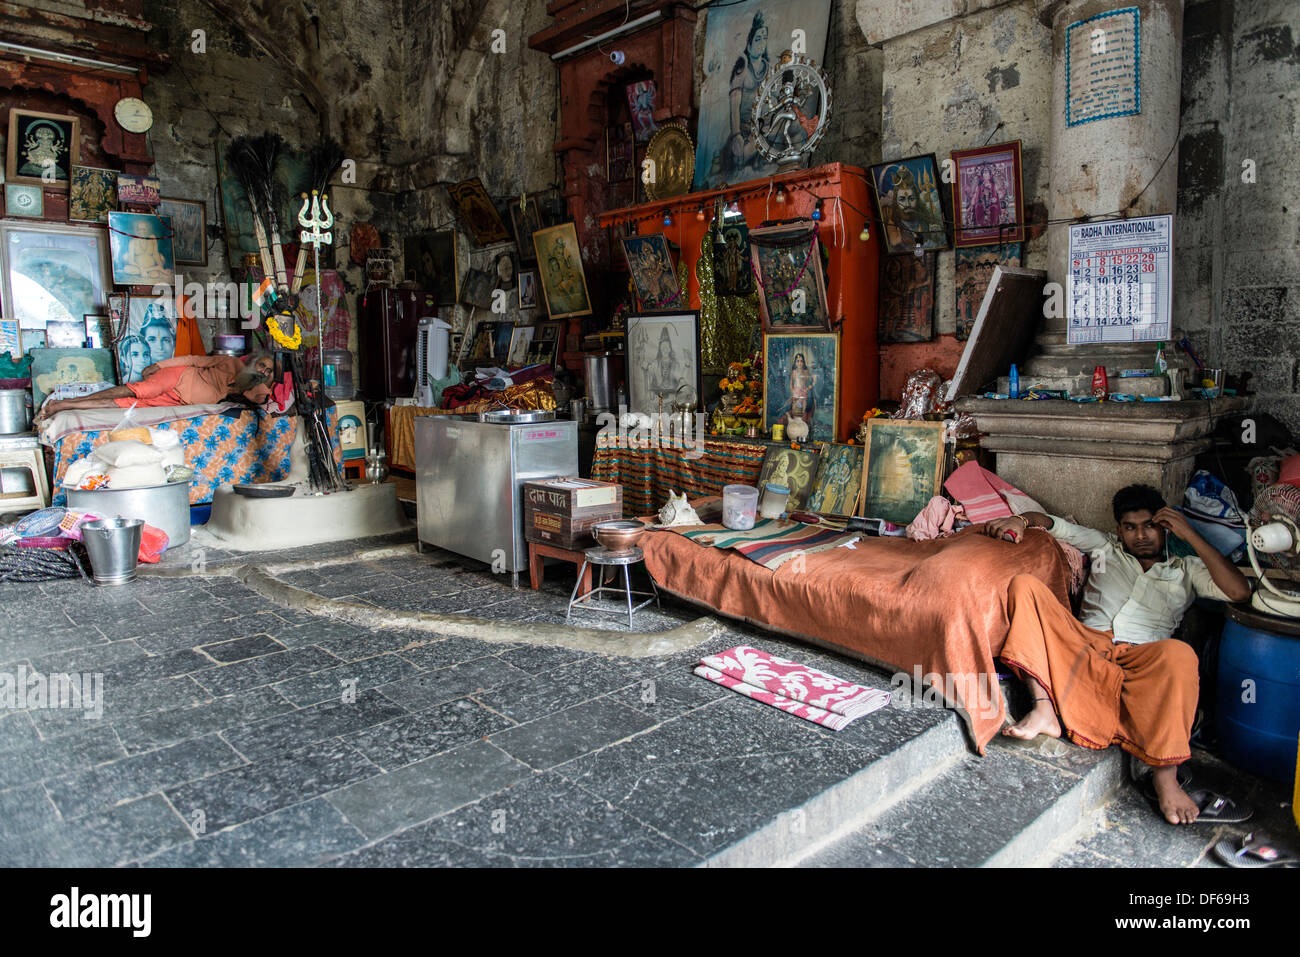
<point x="1237" y="241"/>
<point x="275" y="69"/>
<point x="982" y="76"/>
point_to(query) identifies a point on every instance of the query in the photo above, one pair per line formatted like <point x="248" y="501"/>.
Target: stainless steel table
<point x="607" y="558"/>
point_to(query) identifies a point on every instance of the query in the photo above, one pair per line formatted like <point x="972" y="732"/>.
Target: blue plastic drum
<point x="1259" y="693"/>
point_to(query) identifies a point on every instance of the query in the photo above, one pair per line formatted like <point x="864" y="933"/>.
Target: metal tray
<point x="265" y="491"/>
<point x="511" y="417"/>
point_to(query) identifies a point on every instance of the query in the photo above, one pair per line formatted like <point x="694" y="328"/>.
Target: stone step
<point x="1020" y="805"/>
<point x="893" y="776"/>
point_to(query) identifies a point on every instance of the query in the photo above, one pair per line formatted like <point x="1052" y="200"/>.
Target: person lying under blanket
<point x="183" y="380"/>
<point x="1118" y="677"/>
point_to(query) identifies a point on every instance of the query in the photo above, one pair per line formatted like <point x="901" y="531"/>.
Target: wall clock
<point x="133" y="115"/>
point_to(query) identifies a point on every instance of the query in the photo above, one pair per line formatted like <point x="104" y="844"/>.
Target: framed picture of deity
<point x="188" y="219"/>
<point x="907" y="287"/>
<point x="801" y="385"/>
<point x="792" y="287"/>
<point x="663" y="355"/>
<point x="986" y="195"/>
<point x="796" y="469"/>
<point x="902" y="469"/>
<point x="430" y="259"/>
<point x="545" y="346"/>
<point x="838" y="485"/>
<point x="478" y="213"/>
<point x="910" y="203"/>
<point x="732" y="272"/>
<point x="526" y="219"/>
<point x="651" y="265"/>
<point x="93" y="194"/>
<point x="564" y="283"/>
<point x="43" y="148"/>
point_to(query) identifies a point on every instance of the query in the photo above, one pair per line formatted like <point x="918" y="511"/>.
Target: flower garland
<point x="285" y="342"/>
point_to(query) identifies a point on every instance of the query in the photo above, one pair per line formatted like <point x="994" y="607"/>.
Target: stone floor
<point x="241" y="731"/>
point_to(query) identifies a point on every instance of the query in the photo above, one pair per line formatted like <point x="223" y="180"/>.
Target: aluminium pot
<point x="163" y="506"/>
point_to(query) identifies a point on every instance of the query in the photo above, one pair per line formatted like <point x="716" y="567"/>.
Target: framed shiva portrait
<point x="43" y="148"/>
<point x="911" y="204"/>
<point x="525" y="219"/>
<point x="663" y="356"/>
<point x="788" y="263"/>
<point x="902" y="469"/>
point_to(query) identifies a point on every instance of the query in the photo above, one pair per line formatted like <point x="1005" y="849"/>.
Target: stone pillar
<point x="1098" y="167"/>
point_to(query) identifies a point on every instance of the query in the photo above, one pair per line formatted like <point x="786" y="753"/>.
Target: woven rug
<point x="791" y="687"/>
<point x="771" y="542"/>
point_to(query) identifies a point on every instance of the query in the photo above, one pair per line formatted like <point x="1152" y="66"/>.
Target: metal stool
<point x="22" y="454"/>
<point x="605" y="558"/>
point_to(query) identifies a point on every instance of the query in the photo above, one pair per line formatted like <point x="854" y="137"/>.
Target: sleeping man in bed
<point x="1118" y="677"/>
<point x="183" y="380"/>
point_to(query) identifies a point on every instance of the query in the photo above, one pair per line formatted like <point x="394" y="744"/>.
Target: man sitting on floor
<point x="1117" y="677"/>
<point x="183" y="380"/>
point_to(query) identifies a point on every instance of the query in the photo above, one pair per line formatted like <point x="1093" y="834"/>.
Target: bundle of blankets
<point x="129" y="460"/>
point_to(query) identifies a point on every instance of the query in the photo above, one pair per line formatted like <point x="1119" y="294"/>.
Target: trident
<point x="316" y="230"/>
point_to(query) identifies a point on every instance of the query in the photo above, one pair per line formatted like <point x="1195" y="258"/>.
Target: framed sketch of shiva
<point x="663" y="355"/>
<point x="43" y="148"/>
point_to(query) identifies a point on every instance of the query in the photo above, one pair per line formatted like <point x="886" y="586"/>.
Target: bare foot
<point x="1042" y="720"/>
<point x="1175" y="805"/>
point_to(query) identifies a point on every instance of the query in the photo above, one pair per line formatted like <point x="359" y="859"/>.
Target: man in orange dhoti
<point x="1117" y="677"/>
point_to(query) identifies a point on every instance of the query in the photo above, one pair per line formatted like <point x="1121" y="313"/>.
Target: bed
<point x="937" y="607"/>
<point x="225" y="444"/>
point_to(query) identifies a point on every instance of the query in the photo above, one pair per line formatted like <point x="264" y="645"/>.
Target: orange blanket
<point x="938" y="605"/>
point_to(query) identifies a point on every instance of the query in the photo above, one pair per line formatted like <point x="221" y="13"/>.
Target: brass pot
<point x="620" y="535"/>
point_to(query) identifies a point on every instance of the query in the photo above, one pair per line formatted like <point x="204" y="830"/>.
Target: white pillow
<point x="172" y="456"/>
<point x="127" y="452"/>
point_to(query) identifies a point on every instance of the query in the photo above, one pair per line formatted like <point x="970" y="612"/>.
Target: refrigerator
<point x="469" y="477"/>
<point x="386" y="340"/>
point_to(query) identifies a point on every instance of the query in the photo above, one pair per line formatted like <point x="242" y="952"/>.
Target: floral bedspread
<point x="221" y="449"/>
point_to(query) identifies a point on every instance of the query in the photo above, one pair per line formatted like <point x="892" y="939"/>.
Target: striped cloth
<point x="771" y="542"/>
<point x="647" y="475"/>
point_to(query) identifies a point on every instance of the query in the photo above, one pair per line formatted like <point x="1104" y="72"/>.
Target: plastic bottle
<point x="1100" y="384"/>
<point x="1014" y="389"/>
<point x="1162" y="365"/>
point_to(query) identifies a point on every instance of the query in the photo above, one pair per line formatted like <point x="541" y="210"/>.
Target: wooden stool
<point x="537" y="551"/>
<point x="23" y="453"/>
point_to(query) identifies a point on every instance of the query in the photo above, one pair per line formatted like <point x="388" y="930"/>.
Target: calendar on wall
<point x="1120" y="280"/>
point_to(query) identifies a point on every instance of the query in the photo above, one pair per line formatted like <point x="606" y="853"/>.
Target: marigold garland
<point x="285" y="342"/>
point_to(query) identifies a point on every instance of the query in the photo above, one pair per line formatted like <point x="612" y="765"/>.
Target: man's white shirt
<point x="1121" y="598"/>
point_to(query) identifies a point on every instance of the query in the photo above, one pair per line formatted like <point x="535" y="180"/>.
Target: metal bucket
<point x="15" y="411"/>
<point x="114" y="548"/>
<point x="163" y="506"/>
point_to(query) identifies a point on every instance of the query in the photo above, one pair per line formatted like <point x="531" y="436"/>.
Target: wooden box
<point x="561" y="511"/>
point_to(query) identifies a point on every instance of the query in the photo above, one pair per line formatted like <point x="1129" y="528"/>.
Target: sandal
<point x="1213" y="808"/>
<point x="1253" y="850"/>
